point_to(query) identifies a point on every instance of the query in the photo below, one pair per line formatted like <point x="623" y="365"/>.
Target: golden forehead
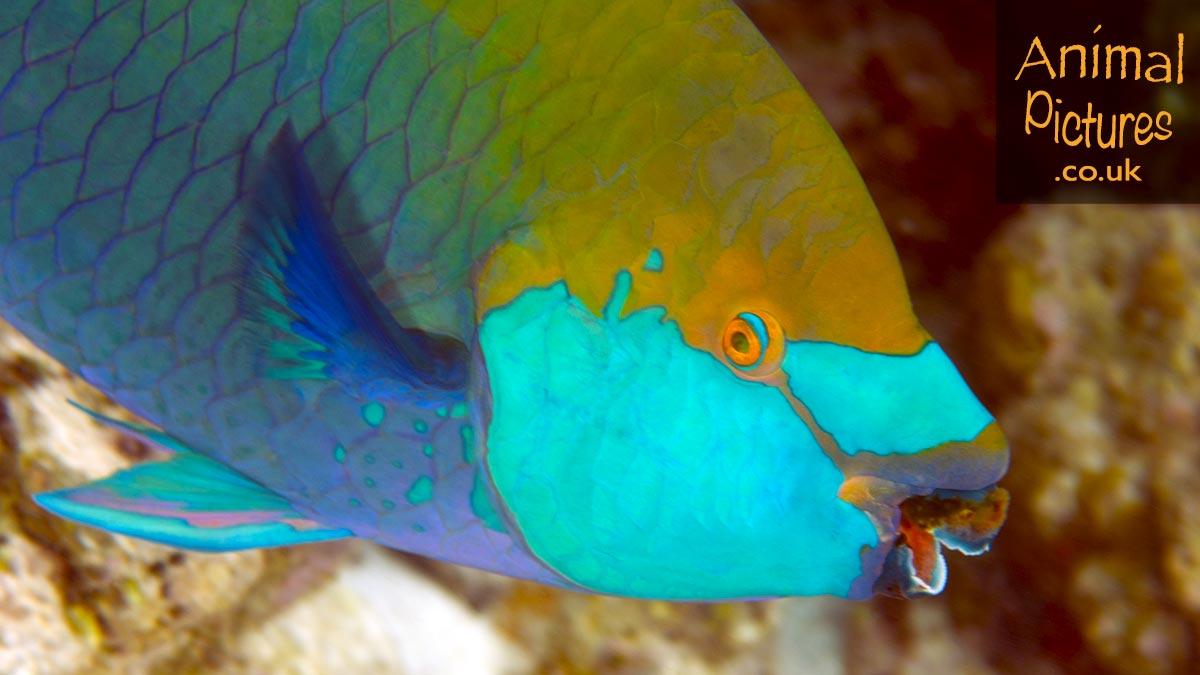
<point x="755" y="207"/>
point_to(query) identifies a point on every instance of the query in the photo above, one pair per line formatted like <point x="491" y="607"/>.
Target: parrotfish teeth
<point x="915" y="522"/>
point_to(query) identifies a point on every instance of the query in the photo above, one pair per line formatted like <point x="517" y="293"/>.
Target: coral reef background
<point x="1078" y="325"/>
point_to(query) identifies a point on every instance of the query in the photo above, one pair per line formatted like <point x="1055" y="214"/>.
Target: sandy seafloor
<point x="1079" y="326"/>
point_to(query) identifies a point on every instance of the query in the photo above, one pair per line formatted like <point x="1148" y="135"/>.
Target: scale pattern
<point x="130" y="133"/>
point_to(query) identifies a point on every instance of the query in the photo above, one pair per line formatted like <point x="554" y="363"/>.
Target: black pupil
<point x="740" y="342"/>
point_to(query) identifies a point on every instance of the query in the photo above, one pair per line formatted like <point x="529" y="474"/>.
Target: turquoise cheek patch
<point x="883" y="403"/>
<point x="634" y="464"/>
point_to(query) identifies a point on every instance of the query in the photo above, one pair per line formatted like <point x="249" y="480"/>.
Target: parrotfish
<point x="581" y="292"/>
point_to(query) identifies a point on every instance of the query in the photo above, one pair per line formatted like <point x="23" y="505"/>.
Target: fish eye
<point x="753" y="343"/>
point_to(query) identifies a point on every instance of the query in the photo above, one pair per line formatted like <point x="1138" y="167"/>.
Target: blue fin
<point x="149" y="434"/>
<point x="321" y="318"/>
<point x="191" y="502"/>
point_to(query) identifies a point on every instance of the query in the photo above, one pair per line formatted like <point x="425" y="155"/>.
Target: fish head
<point x="704" y="386"/>
<point x="747" y="442"/>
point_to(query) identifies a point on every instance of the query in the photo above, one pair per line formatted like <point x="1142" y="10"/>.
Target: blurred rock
<point x="377" y="616"/>
<point x="1088" y="323"/>
<point x="569" y="633"/>
<point x="573" y="634"/>
<point x="913" y="638"/>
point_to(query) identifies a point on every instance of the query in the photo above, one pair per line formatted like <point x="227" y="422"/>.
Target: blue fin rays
<point x="320" y="316"/>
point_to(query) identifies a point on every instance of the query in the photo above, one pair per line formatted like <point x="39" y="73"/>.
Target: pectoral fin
<point x="191" y="502"/>
<point x="319" y="315"/>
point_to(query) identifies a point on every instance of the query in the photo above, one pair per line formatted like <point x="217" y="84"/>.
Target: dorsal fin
<point x="320" y="317"/>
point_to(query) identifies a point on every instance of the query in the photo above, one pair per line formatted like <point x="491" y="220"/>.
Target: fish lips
<point x="919" y="503"/>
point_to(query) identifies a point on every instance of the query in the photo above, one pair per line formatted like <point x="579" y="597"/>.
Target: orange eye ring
<point x="753" y="343"/>
<point x="741" y="343"/>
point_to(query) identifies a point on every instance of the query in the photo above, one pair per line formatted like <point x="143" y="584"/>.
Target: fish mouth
<point x="966" y="522"/>
<point x="914" y="524"/>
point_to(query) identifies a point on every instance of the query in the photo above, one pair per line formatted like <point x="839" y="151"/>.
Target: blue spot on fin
<point x="150" y="434"/>
<point x="319" y="317"/>
<point x="191" y="502"/>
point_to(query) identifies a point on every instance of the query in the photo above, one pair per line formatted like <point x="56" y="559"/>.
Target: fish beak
<point x="914" y="524"/>
<point x="920" y="503"/>
<point x="964" y="521"/>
